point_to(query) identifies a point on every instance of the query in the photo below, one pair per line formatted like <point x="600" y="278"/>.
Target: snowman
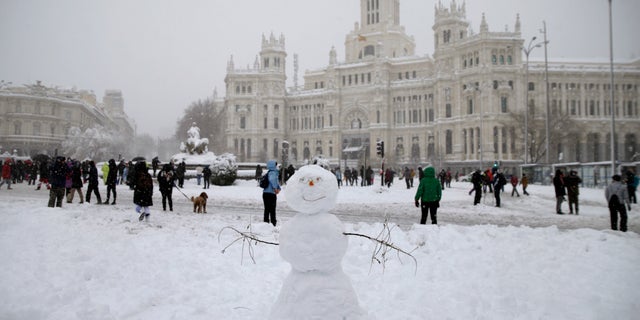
<point x="314" y="244"/>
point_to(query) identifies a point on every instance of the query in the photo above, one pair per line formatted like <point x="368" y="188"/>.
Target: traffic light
<point x="380" y="148"/>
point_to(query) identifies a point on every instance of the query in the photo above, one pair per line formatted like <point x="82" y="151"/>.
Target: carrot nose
<point x="310" y="183"/>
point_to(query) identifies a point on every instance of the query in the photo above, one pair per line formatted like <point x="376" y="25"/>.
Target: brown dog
<point x="200" y="203"/>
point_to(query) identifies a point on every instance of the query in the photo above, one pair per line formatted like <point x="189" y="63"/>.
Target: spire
<point x="518" y="23"/>
<point x="230" y="65"/>
<point x="483" y="25"/>
<point x="256" y="64"/>
<point x="333" y="60"/>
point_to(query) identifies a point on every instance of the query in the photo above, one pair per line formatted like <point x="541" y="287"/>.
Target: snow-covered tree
<point x="224" y="170"/>
<point x="95" y="143"/>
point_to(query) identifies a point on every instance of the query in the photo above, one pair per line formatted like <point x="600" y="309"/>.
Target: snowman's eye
<point x="318" y="179"/>
<point x="302" y="179"/>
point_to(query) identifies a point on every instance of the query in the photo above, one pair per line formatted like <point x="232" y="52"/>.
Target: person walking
<point x="477" y="180"/>
<point x="514" y="185"/>
<point x="44" y="174"/>
<point x="270" y="193"/>
<point x="617" y="197"/>
<point x="573" y="190"/>
<point x="76" y="182"/>
<point x="33" y="173"/>
<point x="258" y="173"/>
<point x="142" y="190"/>
<point x="206" y="175"/>
<point x="105" y="172"/>
<point x="338" y="174"/>
<point x="428" y="196"/>
<point x="559" y="188"/>
<point x="93" y="183"/>
<point x="155" y="162"/>
<point x="406" y="174"/>
<point x="180" y="172"/>
<point x="6" y="173"/>
<point x="632" y="186"/>
<point x="525" y="183"/>
<point x="166" y="179"/>
<point x="58" y="171"/>
<point x="111" y="181"/>
<point x="499" y="182"/>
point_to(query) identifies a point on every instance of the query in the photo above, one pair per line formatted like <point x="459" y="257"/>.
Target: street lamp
<point x="527" y="51"/>
<point x="546" y="80"/>
<point x="613" y="114"/>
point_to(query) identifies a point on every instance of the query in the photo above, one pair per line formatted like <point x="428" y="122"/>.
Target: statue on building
<point x="194" y="144"/>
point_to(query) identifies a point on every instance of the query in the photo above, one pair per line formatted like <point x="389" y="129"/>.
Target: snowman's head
<point x="311" y="190"/>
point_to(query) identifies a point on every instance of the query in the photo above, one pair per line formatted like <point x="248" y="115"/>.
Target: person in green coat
<point x="429" y="194"/>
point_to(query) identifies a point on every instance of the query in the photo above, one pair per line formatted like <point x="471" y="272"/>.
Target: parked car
<point x="466" y="177"/>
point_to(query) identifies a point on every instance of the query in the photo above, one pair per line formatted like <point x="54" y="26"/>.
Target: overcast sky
<point x="164" y="54"/>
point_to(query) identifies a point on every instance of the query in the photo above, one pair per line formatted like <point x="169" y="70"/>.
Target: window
<point x="369" y="50"/>
<point x="36" y="128"/>
<point x="509" y="60"/>
<point x="448" y="110"/>
<point x="504" y="104"/>
<point x="242" y="122"/>
<point x="17" y="128"/>
<point x="494" y="59"/>
<point x="449" y="142"/>
<point x="532" y="86"/>
<point x="495" y="139"/>
<point x="470" y="106"/>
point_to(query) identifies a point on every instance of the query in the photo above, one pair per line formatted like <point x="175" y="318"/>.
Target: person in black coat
<point x="477" y="180"/>
<point x="142" y="190"/>
<point x="166" y="178"/>
<point x="206" y="174"/>
<point x="112" y="179"/>
<point x="93" y="183"/>
<point x="76" y="182"/>
<point x="499" y="182"/>
<point x="58" y="172"/>
<point x="180" y="172"/>
<point x="559" y="188"/>
<point x="44" y="175"/>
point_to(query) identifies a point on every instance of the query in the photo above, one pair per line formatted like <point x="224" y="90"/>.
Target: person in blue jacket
<point x="269" y="194"/>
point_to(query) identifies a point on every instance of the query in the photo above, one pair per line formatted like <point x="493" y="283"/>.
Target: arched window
<point x="369" y="50"/>
<point x="449" y="142"/>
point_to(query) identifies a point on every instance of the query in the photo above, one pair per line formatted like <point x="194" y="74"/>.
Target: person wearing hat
<point x="573" y="190"/>
<point x="617" y="197"/>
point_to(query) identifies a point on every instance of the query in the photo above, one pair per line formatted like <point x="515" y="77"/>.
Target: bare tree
<point x="561" y="126"/>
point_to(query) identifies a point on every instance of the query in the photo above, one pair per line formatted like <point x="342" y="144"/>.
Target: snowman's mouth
<point x="312" y="198"/>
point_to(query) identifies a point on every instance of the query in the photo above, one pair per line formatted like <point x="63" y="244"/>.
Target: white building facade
<point x="462" y="109"/>
<point x="35" y="119"/>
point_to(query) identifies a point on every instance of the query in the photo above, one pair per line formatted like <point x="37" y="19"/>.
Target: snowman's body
<point x="314" y="244"/>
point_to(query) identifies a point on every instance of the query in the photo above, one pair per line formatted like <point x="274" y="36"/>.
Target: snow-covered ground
<point x="520" y="261"/>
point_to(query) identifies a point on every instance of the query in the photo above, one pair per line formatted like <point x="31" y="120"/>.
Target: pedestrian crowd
<point x="65" y="177"/>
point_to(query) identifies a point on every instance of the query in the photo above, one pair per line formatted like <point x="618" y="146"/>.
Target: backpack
<point x="264" y="181"/>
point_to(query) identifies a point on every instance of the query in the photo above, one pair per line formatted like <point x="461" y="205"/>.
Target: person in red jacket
<point x="514" y="184"/>
<point x="6" y="173"/>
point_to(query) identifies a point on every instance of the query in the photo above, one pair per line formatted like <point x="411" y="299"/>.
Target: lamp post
<point x="613" y="114"/>
<point x="546" y="81"/>
<point x="527" y="51"/>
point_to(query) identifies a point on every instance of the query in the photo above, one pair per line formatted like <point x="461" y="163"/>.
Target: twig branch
<point x="380" y="251"/>
<point x="248" y="240"/>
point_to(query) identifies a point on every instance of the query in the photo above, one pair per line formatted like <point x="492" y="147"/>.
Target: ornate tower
<point x="273" y="54"/>
<point x="379" y="33"/>
<point x="450" y="26"/>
